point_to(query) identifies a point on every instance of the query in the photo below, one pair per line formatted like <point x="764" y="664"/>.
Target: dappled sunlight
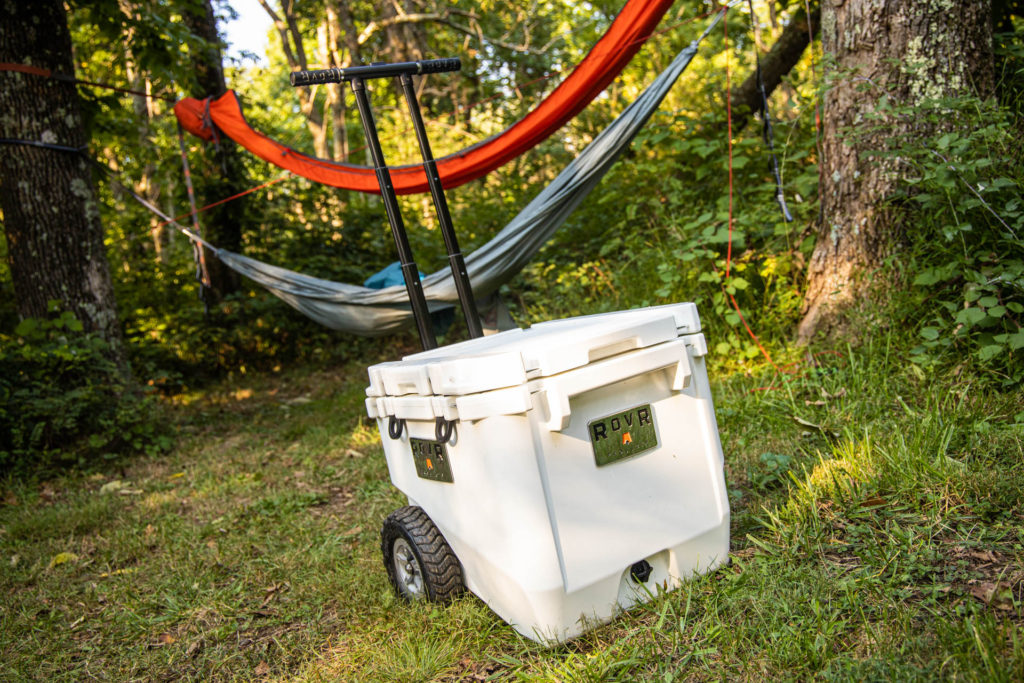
<point x="833" y="479"/>
<point x="155" y="501"/>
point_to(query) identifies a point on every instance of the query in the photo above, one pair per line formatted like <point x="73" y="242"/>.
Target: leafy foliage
<point x="660" y="230"/>
<point x="962" y="197"/>
<point x="62" y="398"/>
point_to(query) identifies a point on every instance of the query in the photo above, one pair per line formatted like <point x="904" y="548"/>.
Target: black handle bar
<point x="336" y="75"/>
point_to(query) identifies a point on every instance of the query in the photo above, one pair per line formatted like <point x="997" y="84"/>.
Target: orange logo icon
<point x="626" y="438"/>
<point x="430" y="465"/>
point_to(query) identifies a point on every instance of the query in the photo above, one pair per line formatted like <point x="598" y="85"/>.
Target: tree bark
<point x="784" y="55"/>
<point x="335" y="92"/>
<point x="220" y="172"/>
<point x="50" y="213"/>
<point x="909" y="52"/>
<point x="146" y="109"/>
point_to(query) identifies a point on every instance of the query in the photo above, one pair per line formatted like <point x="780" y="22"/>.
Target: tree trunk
<point x="219" y="173"/>
<point x="51" y="215"/>
<point x="910" y="52"/>
<point x="335" y="37"/>
<point x="287" y="27"/>
<point x="147" y="186"/>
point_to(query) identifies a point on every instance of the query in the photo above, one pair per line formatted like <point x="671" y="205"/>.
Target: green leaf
<point x="991" y="351"/>
<point x="988" y="301"/>
<point x="997" y="311"/>
<point x="610" y="246"/>
<point x="709" y="276"/>
<point x="699" y="220"/>
<point x="929" y="276"/>
<point x="970" y="316"/>
<point x="739" y="283"/>
<point x="1017" y="340"/>
<point x="930" y="333"/>
<point x="723" y="348"/>
<point x="26" y="327"/>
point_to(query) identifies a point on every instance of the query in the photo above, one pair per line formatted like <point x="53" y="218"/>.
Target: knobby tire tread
<point x="441" y="568"/>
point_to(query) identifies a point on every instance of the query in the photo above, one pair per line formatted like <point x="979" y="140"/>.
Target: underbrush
<point x="65" y="401"/>
<point x="659" y="229"/>
<point x="960" y="202"/>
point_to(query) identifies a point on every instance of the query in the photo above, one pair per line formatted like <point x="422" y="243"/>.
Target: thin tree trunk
<point x="909" y="52"/>
<point x="337" y="92"/>
<point x="294" y="52"/>
<point x="51" y="215"/>
<point x="145" y="110"/>
<point x="220" y="172"/>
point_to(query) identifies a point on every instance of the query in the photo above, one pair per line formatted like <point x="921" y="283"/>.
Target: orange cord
<point x="728" y="253"/>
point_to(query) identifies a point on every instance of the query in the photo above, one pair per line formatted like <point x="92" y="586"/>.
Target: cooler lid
<point x="511" y="358"/>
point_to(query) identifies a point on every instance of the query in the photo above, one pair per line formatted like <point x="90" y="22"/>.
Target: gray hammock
<point x="373" y="312"/>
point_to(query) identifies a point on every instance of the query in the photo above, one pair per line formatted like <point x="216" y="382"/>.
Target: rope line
<point x="728" y="119"/>
<point x="198" y="253"/>
<point x="44" y="145"/>
<point x="273" y="181"/>
<point x="728" y="253"/>
<point x="67" y="78"/>
<point x="767" y="131"/>
<point x="112" y="176"/>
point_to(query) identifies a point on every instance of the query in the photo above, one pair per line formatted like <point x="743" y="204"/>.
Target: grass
<point x="878" y="534"/>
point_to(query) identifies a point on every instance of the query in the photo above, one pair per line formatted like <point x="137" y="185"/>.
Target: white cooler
<point x="584" y="469"/>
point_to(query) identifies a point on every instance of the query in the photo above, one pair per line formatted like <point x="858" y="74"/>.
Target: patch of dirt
<point x="339" y="498"/>
<point x="470" y="670"/>
<point x="998" y="582"/>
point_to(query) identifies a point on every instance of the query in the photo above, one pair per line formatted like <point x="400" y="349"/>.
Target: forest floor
<point x="877" y="534"/>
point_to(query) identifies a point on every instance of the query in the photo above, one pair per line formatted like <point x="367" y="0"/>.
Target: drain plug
<point x="641" y="571"/>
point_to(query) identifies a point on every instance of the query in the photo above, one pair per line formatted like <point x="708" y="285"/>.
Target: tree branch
<point x="784" y="55"/>
<point x="440" y="18"/>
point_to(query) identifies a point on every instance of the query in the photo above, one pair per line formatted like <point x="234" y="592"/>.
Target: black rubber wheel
<point x="420" y="563"/>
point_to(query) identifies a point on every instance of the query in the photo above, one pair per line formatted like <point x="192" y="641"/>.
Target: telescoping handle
<point x="357" y="76"/>
<point x="336" y="75"/>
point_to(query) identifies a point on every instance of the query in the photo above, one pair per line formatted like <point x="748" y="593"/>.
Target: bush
<point x="63" y="398"/>
<point x="962" y="194"/>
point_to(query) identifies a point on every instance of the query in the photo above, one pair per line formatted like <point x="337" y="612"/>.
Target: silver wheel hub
<point x="407" y="570"/>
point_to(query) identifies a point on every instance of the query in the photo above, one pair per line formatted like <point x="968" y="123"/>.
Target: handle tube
<point x="444" y="217"/>
<point x="420" y="311"/>
<point x="336" y="75"/>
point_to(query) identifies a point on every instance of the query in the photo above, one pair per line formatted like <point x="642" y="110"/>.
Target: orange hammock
<point x="606" y="59"/>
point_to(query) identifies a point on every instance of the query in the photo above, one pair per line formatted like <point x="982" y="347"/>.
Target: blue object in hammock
<point x="391" y="275"/>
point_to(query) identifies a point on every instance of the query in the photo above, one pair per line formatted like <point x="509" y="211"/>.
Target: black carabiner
<point x="395" y="427"/>
<point x="444" y="429"/>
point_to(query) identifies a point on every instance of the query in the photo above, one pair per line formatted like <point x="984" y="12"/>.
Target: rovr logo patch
<point x="431" y="460"/>
<point x="622" y="435"/>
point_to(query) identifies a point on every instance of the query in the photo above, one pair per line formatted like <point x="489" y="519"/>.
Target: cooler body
<point x="584" y="472"/>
